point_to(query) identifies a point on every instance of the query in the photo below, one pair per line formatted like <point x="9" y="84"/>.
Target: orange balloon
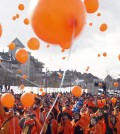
<point x="116" y="84"/>
<point x="98" y="55"/>
<point x="113" y="100"/>
<point x="21" y="7"/>
<point x="19" y="71"/>
<point x="14" y="17"/>
<point x="22" y="55"/>
<point x="27" y="99"/>
<point x="104" y="54"/>
<point x="43" y="93"/>
<point x="24" y="76"/>
<point x="60" y="75"/>
<point x="22" y="86"/>
<point x="76" y="91"/>
<point x="100" y="84"/>
<point x="35" y="95"/>
<point x="7" y="100"/>
<point x="63" y="58"/>
<point x="119" y="57"/>
<point x="12" y="46"/>
<point x="26" y="21"/>
<point x="63" y="50"/>
<point x="103" y="27"/>
<point x="33" y="43"/>
<point x="91" y="5"/>
<point x="98" y="14"/>
<point x="65" y="45"/>
<point x="48" y="46"/>
<point x="54" y="23"/>
<point x="17" y="16"/>
<point x="0" y="30"/>
<point x="90" y="24"/>
<point x="41" y="89"/>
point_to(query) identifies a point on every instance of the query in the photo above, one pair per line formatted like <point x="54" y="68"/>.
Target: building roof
<point x="18" y="43"/>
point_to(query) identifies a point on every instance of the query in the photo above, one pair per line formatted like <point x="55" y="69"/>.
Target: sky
<point x="85" y="48"/>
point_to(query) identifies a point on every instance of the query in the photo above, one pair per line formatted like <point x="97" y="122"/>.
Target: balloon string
<point x="61" y="81"/>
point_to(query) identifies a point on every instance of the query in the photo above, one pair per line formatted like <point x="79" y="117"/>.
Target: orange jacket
<point x="67" y="128"/>
<point x="67" y="111"/>
<point x="95" y="129"/>
<point x="86" y="118"/>
<point x="103" y="125"/>
<point x="116" y="126"/>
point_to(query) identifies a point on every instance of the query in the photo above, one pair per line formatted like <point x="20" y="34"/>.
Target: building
<point x="32" y="68"/>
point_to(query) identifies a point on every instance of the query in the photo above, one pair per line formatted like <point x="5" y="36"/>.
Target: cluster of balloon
<point x="0" y="30"/>
<point x="22" y="87"/>
<point x="24" y="76"/>
<point x="41" y="89"/>
<point x="16" y="17"/>
<point x="21" y="55"/>
<point x="27" y="99"/>
<point x="26" y="21"/>
<point x="7" y="100"/>
<point x="104" y="54"/>
<point x="33" y="43"/>
<point x="91" y="5"/>
<point x="76" y="91"/>
<point x="11" y="46"/>
<point x="116" y="84"/>
<point x="58" y="19"/>
<point x="113" y="100"/>
<point x="103" y="27"/>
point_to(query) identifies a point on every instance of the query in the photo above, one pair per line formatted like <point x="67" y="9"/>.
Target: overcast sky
<point x="85" y="48"/>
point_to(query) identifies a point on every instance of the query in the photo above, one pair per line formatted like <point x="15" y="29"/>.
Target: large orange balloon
<point x="103" y="27"/>
<point x="76" y="91"/>
<point x="91" y="5"/>
<point x="33" y="43"/>
<point x="27" y="99"/>
<point x="43" y="93"/>
<point x="55" y="20"/>
<point x="104" y="54"/>
<point x="0" y="30"/>
<point x="21" y="7"/>
<point x="7" y="100"/>
<point x="116" y="84"/>
<point x="12" y="46"/>
<point x="22" y="55"/>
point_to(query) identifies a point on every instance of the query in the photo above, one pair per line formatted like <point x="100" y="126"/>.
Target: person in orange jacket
<point x="30" y="124"/>
<point x="50" y="126"/>
<point x="79" y="125"/>
<point x="67" y="109"/>
<point x="64" y="124"/>
<point x="114" y="124"/>
<point x="94" y="127"/>
<point x="101" y="120"/>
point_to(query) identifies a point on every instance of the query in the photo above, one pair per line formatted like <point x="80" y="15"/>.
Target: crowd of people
<point x="87" y="114"/>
